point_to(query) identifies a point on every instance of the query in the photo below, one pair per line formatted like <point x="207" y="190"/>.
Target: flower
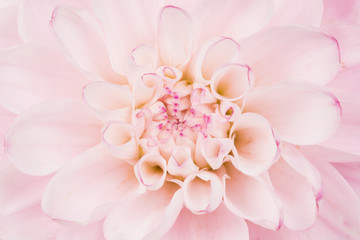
<point x="205" y="120"/>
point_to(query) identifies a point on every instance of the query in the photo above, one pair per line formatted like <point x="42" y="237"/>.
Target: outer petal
<point x="302" y="113"/>
<point x="9" y="35"/>
<point x="329" y="154"/>
<point x="257" y="232"/>
<point x="286" y="53"/>
<point x="252" y="199"/>
<point x="146" y="217"/>
<point x="343" y="10"/>
<point x="87" y="188"/>
<point x="350" y="171"/>
<point x="30" y="74"/>
<point x="44" y="137"/>
<point x="81" y="36"/>
<point x="6" y="118"/>
<point x="89" y="232"/>
<point x="218" y="225"/>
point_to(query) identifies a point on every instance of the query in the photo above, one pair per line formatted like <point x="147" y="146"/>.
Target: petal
<point x="9" y="35"/>
<point x="88" y="187"/>
<point x="110" y="101"/>
<point x="42" y="139"/>
<point x="214" y="150"/>
<point x="256" y="147"/>
<point x="150" y="170"/>
<point x="30" y="74"/>
<point x="252" y="199"/>
<point x="231" y="82"/>
<point x="174" y="36"/>
<point x="257" y="232"/>
<point x="89" y="232"/>
<point x="341" y="10"/>
<point x="6" y="118"/>
<point x="203" y="192"/>
<point x="219" y="224"/>
<point x="302" y="113"/>
<point x="328" y="154"/>
<point x="147" y="90"/>
<point x="350" y="171"/>
<point x="286" y="53"/>
<point x="181" y="163"/>
<point x="81" y="36"/>
<point x="156" y="210"/>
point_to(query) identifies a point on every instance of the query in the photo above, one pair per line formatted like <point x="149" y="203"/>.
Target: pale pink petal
<point x="341" y="10"/>
<point x="89" y="232"/>
<point x="214" y="150"/>
<point x="144" y="55"/>
<point x="219" y="224"/>
<point x="150" y="170"/>
<point x="290" y="53"/>
<point x="329" y="154"/>
<point x="350" y="171"/>
<point x="19" y="191"/>
<point x="147" y="90"/>
<point x="126" y="26"/>
<point x="229" y="111"/>
<point x="181" y="163"/>
<point x="231" y="81"/>
<point x="119" y="139"/>
<point x="9" y="35"/>
<point x="256" y="147"/>
<point x="170" y="75"/>
<point x="94" y="175"/>
<point x="211" y="55"/>
<point x="81" y="37"/>
<point x="306" y="12"/>
<point x="7" y="118"/>
<point x="203" y="192"/>
<point x="109" y="100"/>
<point x="142" y="118"/>
<point x="174" y="36"/>
<point x="302" y="113"/>
<point x="30" y="223"/>
<point x="252" y="198"/>
<point x="147" y="217"/>
<point x="30" y="74"/>
<point x="42" y="139"/>
<point x="340" y="210"/>
<point x="259" y="233"/>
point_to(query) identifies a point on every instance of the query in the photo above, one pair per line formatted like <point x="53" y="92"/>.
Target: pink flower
<point x="197" y="120"/>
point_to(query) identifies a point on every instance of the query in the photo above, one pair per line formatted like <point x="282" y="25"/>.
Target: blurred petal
<point x="9" y="35"/>
<point x="341" y="10"/>
<point x="42" y="139"/>
<point x="350" y="171"/>
<point x="6" y="118"/>
<point x="329" y="154"/>
<point x="89" y="232"/>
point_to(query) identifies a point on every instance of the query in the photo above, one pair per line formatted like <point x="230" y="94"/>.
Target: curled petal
<point x="213" y="54"/>
<point x="256" y="147"/>
<point x="174" y="36"/>
<point x="144" y="55"/>
<point x="147" y="90"/>
<point x="169" y="74"/>
<point x="120" y="140"/>
<point x="181" y="163"/>
<point x="302" y="113"/>
<point x="142" y="120"/>
<point x="150" y="170"/>
<point x="203" y="192"/>
<point x="252" y="199"/>
<point x="214" y="150"/>
<point x="231" y="81"/>
<point x="229" y="111"/>
<point x="111" y="101"/>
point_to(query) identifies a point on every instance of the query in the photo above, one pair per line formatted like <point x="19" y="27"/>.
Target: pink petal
<point x="252" y="199"/>
<point x="181" y="163"/>
<point x="42" y="139"/>
<point x="341" y="10"/>
<point x="340" y="210"/>
<point x="110" y="101"/>
<point x="290" y="53"/>
<point x="256" y="147"/>
<point x="9" y="35"/>
<point x="203" y="192"/>
<point x="157" y="212"/>
<point x="231" y="82"/>
<point x="6" y="118"/>
<point x="88" y="187"/>
<point x="302" y="113"/>
<point x="30" y="74"/>
<point x="220" y="224"/>
<point x="329" y="154"/>
<point x="257" y="232"/>
<point x="136" y="20"/>
<point x="150" y="170"/>
<point x="30" y="223"/>
<point x="350" y="171"/>
<point x="89" y="232"/>
<point x="214" y="150"/>
<point x="174" y="36"/>
<point x="147" y="90"/>
<point x="81" y="36"/>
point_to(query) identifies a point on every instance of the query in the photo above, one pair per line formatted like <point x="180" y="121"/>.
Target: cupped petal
<point x="110" y="101"/>
<point x="175" y="36"/>
<point x="203" y="192"/>
<point x="214" y="150"/>
<point x="30" y="74"/>
<point x="219" y="224"/>
<point x="211" y="55"/>
<point x="149" y="216"/>
<point x="89" y="186"/>
<point x="147" y="90"/>
<point x="92" y="231"/>
<point x="119" y="139"/>
<point x="252" y="198"/>
<point x="81" y="37"/>
<point x="150" y="170"/>
<point x="43" y="138"/>
<point x="285" y="53"/>
<point x="302" y="113"/>
<point x="231" y="81"/>
<point x="256" y="147"/>
<point x="340" y="210"/>
<point x="181" y="163"/>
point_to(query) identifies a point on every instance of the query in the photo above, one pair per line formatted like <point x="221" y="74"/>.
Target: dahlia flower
<point x="179" y="119"/>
